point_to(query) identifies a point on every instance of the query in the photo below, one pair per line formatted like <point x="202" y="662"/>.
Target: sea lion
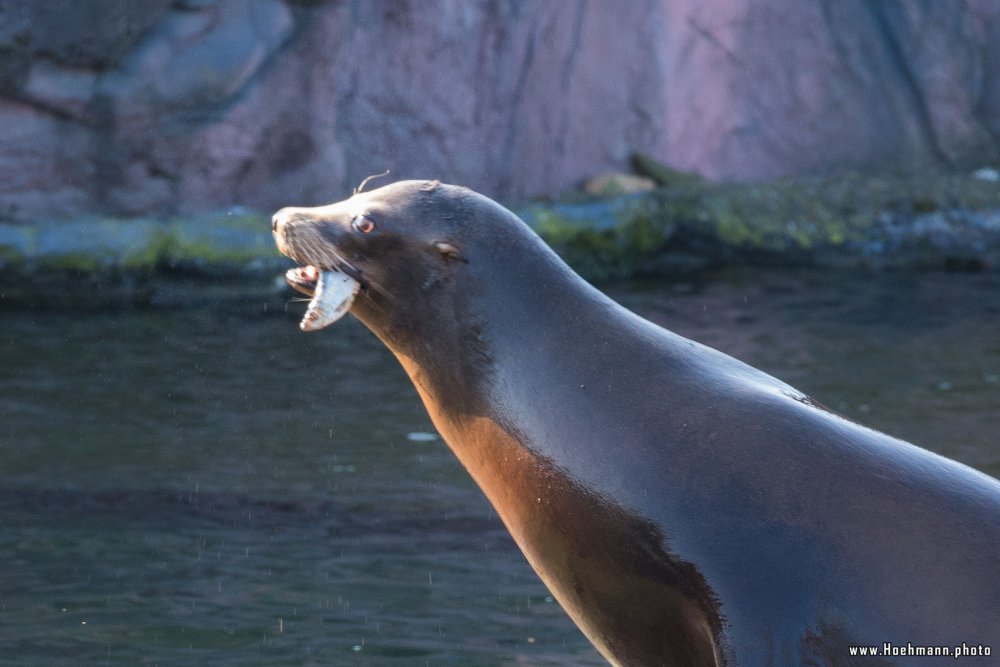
<point x="683" y="507"/>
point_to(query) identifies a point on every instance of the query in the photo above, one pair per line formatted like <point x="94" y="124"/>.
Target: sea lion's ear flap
<point x="449" y="252"/>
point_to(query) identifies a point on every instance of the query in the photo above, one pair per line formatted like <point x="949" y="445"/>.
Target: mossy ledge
<point x="687" y="225"/>
<point x="851" y="220"/>
<point x="98" y="262"/>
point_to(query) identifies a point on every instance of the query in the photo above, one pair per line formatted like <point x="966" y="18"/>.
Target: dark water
<point x="210" y="486"/>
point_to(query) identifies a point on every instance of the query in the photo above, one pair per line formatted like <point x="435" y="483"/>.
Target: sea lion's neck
<point x="519" y="311"/>
<point x="500" y="401"/>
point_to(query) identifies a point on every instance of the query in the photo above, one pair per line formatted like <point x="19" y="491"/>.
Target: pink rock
<point x="203" y="105"/>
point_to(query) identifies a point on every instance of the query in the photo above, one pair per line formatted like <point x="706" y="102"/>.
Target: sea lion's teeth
<point x="335" y="292"/>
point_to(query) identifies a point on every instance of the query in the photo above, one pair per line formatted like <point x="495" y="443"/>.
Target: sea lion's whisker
<point x="381" y="290"/>
<point x="342" y="263"/>
<point x="361" y="187"/>
<point x="306" y="246"/>
<point x="371" y="284"/>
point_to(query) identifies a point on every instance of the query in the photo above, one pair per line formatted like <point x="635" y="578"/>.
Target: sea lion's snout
<point x="280" y="220"/>
<point x="279" y="227"/>
<point x="310" y="236"/>
<point x="310" y="239"/>
<point x="287" y="224"/>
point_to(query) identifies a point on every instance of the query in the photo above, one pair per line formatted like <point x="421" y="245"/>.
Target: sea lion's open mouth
<point x="332" y="293"/>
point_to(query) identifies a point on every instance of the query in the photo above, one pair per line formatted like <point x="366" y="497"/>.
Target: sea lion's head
<point x="377" y="245"/>
<point x="378" y="254"/>
<point x="405" y="259"/>
<point x="427" y="267"/>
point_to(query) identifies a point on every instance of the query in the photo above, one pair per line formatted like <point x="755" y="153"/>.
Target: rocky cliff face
<point x="164" y="107"/>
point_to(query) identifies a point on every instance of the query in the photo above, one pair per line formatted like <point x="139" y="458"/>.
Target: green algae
<point x="139" y="244"/>
<point x="10" y="257"/>
<point x="223" y="240"/>
<point x="685" y="225"/>
<point x="102" y="262"/>
<point x="587" y="247"/>
<point x="837" y="219"/>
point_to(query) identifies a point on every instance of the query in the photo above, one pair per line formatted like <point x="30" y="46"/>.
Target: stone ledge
<point x="233" y="242"/>
<point x="92" y="262"/>
<point x="850" y="221"/>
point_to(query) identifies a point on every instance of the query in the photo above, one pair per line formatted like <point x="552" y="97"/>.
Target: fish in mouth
<point x="323" y="274"/>
<point x="332" y="293"/>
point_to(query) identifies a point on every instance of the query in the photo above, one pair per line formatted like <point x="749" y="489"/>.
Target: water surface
<point x="209" y="485"/>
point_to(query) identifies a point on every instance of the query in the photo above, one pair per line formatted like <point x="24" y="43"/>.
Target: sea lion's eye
<point x="363" y="224"/>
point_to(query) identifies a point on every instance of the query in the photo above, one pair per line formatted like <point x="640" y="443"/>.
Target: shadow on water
<point x="208" y="485"/>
